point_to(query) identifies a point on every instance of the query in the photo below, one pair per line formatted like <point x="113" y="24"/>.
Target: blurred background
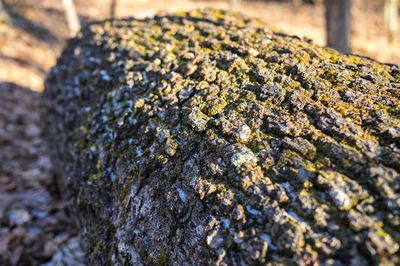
<point x="32" y="32"/>
<point x="35" y="226"/>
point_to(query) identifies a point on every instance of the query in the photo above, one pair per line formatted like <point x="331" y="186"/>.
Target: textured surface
<point x="204" y="137"/>
<point x="34" y="221"/>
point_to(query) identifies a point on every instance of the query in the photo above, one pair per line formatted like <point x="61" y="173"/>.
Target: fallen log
<point x="206" y="138"/>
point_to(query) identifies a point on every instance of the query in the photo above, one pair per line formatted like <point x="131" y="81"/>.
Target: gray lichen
<point x="205" y="138"/>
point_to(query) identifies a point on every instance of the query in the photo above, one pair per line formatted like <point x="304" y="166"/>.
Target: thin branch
<point x="72" y="17"/>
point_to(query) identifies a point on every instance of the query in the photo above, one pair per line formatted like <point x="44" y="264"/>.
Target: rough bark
<point x="205" y="138"/>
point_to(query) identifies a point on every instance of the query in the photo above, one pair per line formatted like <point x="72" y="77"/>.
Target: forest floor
<point x="33" y="219"/>
<point x="34" y="223"/>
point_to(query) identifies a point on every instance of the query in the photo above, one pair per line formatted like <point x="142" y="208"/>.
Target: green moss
<point x="215" y="107"/>
<point x="162" y="259"/>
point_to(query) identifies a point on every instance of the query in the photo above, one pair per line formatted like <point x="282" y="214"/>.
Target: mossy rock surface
<point x="206" y="138"/>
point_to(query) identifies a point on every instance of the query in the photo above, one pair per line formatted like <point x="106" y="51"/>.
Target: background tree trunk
<point x="233" y="4"/>
<point x="113" y="8"/>
<point x="72" y="17"/>
<point x="4" y="15"/>
<point x="338" y="24"/>
<point x="390" y="14"/>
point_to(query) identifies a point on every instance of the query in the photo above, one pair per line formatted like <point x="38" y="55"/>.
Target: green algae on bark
<point x="206" y="138"/>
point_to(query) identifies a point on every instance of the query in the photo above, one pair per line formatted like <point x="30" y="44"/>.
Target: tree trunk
<point x="338" y="24"/>
<point x="391" y="18"/>
<point x="233" y="4"/>
<point x="4" y="14"/>
<point x="205" y="138"/>
<point x="72" y="17"/>
<point x="297" y="2"/>
<point x="113" y="7"/>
